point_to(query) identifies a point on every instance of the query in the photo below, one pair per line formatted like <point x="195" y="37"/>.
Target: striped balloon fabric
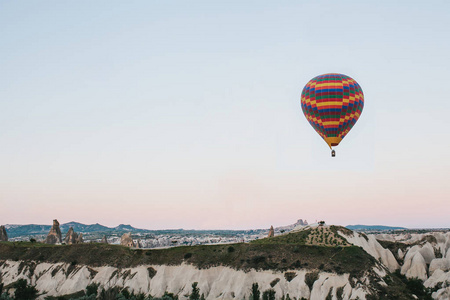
<point x="332" y="103"/>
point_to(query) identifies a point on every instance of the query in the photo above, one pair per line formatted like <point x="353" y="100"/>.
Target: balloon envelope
<point x="332" y="103"/>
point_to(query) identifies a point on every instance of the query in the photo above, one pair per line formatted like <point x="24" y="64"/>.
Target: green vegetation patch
<point x="399" y="287"/>
<point x="279" y="253"/>
<point x="394" y="247"/>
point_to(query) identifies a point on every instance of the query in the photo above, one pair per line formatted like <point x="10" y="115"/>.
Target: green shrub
<point x="310" y="278"/>
<point x="269" y="295"/>
<point x="274" y="282"/>
<point x="24" y="291"/>
<point x="195" y="295"/>
<point x="91" y="289"/>
<point x="289" y="276"/>
<point x="340" y="293"/>
<point x="255" y="293"/>
<point x="151" y="272"/>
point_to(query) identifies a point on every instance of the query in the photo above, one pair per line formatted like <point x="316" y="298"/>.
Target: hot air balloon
<point x="332" y="103"/>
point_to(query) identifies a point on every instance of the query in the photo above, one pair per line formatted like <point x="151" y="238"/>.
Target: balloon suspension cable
<point x="333" y="153"/>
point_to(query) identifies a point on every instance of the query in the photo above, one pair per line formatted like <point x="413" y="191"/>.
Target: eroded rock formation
<point x="301" y="222"/>
<point x="3" y="234"/>
<point x="71" y="237"/>
<point x="215" y="282"/>
<point x="126" y="240"/>
<point x="80" y="239"/>
<point x="271" y="232"/>
<point x="54" y="236"/>
<point x="104" y="240"/>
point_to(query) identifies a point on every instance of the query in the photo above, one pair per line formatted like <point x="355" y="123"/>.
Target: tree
<point x="269" y="295"/>
<point x="255" y="294"/>
<point x="24" y="291"/>
<point x="195" y="295"/>
<point x="110" y="294"/>
<point x="168" y="295"/>
<point x="5" y="296"/>
<point x="91" y="289"/>
<point x="310" y="278"/>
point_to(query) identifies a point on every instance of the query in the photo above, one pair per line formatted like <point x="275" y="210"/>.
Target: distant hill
<point x="373" y="227"/>
<point x="30" y="229"/>
<point x="79" y="227"/>
<point x="34" y="229"/>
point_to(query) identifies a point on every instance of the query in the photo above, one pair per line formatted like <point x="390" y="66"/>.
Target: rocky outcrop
<point x="442" y="264"/>
<point x="373" y="247"/>
<point x="3" y="234"/>
<point x="54" y="236"/>
<point x="427" y="252"/>
<point x="80" y="239"/>
<point x="301" y="222"/>
<point x="71" y="237"/>
<point x="415" y="266"/>
<point x="426" y="256"/>
<point x="271" y="232"/>
<point x="215" y="282"/>
<point x="104" y="240"/>
<point x="126" y="240"/>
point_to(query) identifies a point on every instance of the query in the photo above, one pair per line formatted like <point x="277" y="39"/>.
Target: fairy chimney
<point x="3" y="234"/>
<point x="54" y="236"/>
<point x="104" y="240"/>
<point x="80" y="239"/>
<point x="126" y="240"/>
<point x="71" y="237"/>
<point x="271" y="232"/>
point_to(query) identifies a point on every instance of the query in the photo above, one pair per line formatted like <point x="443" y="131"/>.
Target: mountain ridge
<point x="15" y="230"/>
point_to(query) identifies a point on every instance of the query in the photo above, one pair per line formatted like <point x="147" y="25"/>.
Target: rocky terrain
<point x="312" y="262"/>
<point x="422" y="255"/>
<point x="54" y="236"/>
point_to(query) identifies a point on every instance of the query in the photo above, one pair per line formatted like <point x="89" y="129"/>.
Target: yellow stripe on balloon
<point x="331" y="123"/>
<point x="326" y="103"/>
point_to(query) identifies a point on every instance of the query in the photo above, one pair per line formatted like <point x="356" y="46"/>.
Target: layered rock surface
<point x="215" y="283"/>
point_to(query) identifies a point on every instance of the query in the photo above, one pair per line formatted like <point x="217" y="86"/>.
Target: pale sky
<point x="186" y="114"/>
